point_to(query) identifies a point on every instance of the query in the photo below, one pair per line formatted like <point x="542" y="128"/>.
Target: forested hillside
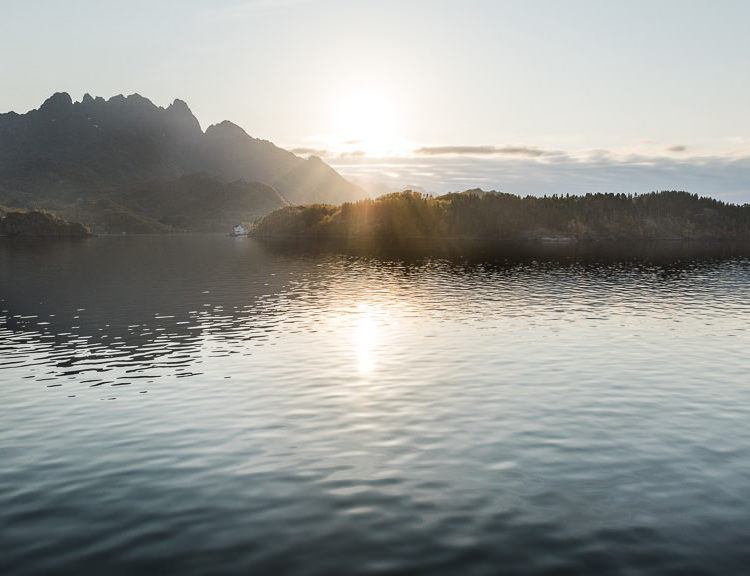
<point x="496" y="216"/>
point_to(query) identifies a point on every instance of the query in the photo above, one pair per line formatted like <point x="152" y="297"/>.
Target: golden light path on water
<point x="366" y="337"/>
<point x="366" y="328"/>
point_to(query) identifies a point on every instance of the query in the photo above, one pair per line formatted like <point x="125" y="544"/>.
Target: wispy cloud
<point x="480" y="151"/>
<point x="352" y="154"/>
<point x="723" y="177"/>
<point x="679" y="148"/>
<point x="306" y="151"/>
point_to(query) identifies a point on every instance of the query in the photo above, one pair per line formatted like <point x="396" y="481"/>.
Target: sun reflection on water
<point x="365" y="339"/>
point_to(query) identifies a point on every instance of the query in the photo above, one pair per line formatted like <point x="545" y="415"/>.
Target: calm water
<point x="207" y="405"/>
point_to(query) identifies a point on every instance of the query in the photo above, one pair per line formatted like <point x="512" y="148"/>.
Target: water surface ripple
<point x="207" y="405"/>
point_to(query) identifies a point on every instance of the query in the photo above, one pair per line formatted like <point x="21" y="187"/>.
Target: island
<point x="498" y="217"/>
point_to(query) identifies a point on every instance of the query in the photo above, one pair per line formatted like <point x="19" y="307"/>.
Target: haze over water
<point x="250" y="409"/>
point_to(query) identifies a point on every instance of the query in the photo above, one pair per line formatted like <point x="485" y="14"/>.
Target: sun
<point x="365" y="122"/>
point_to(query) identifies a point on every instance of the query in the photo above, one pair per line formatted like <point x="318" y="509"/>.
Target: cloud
<point x="679" y="148"/>
<point x="480" y="151"/>
<point x="726" y="178"/>
<point x="304" y="151"/>
<point x="352" y="154"/>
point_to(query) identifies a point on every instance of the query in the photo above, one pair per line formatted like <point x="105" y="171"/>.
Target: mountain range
<point x="127" y="165"/>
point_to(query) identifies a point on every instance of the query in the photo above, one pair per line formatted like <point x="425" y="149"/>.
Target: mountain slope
<point x="202" y="202"/>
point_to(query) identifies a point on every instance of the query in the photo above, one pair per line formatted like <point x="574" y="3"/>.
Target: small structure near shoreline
<point x="239" y="230"/>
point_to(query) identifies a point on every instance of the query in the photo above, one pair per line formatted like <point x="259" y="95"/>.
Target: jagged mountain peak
<point x="58" y="102"/>
<point x="226" y="129"/>
<point x="179" y="107"/>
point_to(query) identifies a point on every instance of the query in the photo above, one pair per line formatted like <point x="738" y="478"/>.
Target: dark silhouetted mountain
<point x="73" y="157"/>
<point x="228" y="151"/>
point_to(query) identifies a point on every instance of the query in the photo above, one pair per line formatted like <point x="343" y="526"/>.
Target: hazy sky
<point x="565" y="89"/>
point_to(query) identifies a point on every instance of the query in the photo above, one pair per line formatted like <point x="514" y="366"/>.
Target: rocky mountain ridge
<point x="67" y="156"/>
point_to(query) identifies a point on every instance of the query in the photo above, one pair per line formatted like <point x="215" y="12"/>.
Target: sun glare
<point x="365" y="340"/>
<point x="365" y="122"/>
<point x="366" y="336"/>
